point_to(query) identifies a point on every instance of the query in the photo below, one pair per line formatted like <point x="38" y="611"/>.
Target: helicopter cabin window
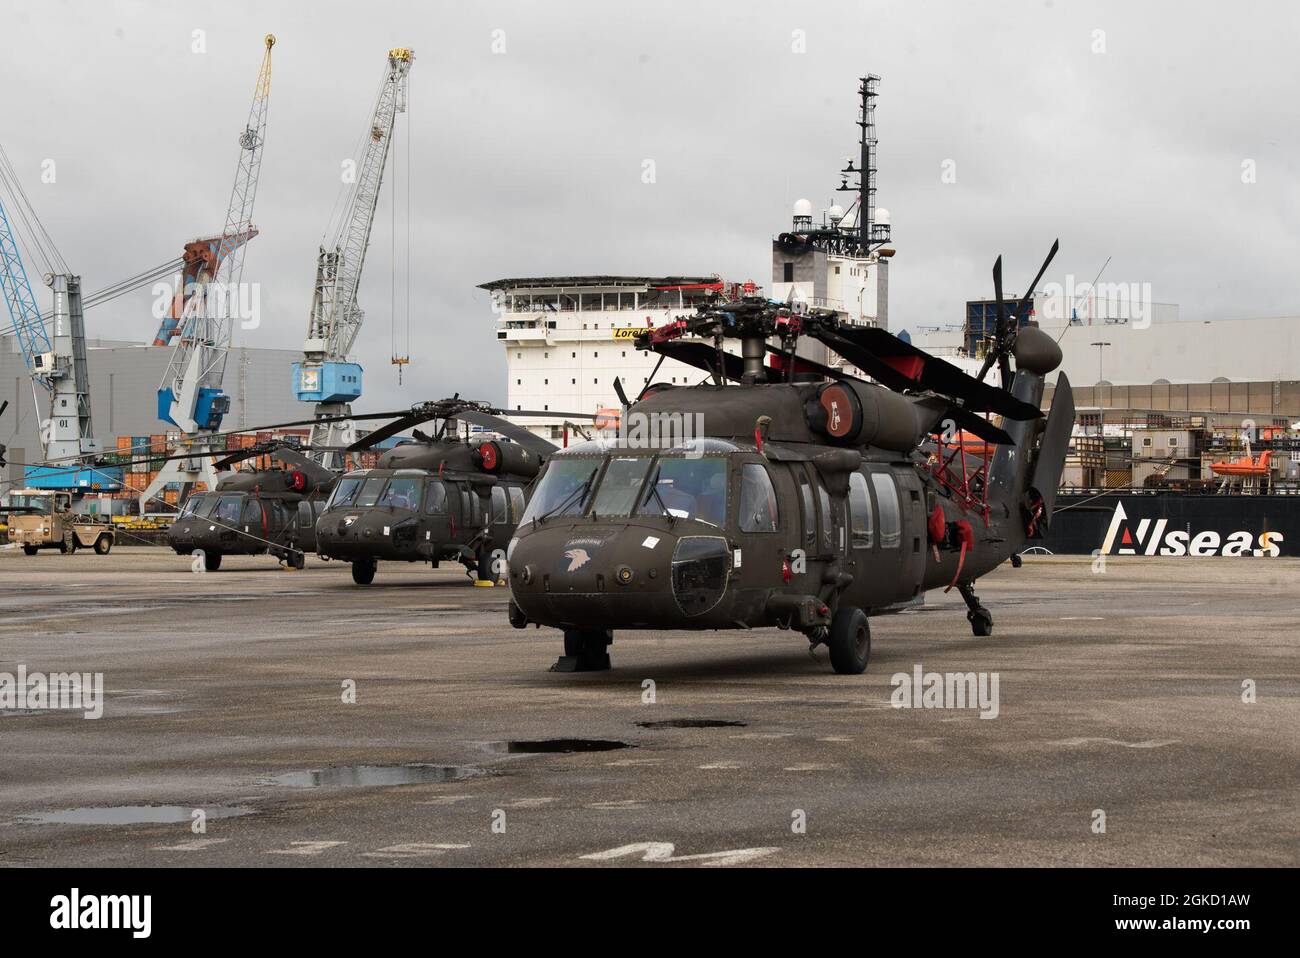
<point x="435" y="497"/>
<point x="253" y="513"/>
<point x="402" y="492"/>
<point x="687" y="489"/>
<point x="228" y="509"/>
<point x="758" y="512"/>
<point x="859" y="511"/>
<point x="563" y="490"/>
<point x="890" y="513"/>
<point x="827" y="519"/>
<point x="346" y="493"/>
<point x="370" y="490"/>
<point x="306" y="518"/>
<point x="470" y="514"/>
<point x="516" y="503"/>
<point x="619" y="487"/>
<point x="806" y="509"/>
<point x="500" y="505"/>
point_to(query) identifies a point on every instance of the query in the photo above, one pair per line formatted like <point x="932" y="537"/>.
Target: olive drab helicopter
<point x="811" y="500"/>
<point x="269" y="511"/>
<point x="438" y="497"/>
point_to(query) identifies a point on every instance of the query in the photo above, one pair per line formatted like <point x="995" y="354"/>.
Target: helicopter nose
<point x="588" y="576"/>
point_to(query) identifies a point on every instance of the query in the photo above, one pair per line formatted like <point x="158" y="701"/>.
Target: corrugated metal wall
<point x="124" y="389"/>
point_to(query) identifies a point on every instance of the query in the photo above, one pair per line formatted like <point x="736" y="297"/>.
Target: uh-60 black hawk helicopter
<point x="806" y="505"/>
<point x="255" y="512"/>
<point x="438" y="497"/>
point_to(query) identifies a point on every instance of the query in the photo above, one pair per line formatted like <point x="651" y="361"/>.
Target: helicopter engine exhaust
<point x="508" y="457"/>
<point x="858" y="413"/>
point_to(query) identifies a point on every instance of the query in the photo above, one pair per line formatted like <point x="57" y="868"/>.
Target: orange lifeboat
<point x="1244" y="467"/>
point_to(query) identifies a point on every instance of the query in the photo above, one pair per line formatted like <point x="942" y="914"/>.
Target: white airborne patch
<point x="735" y="564"/>
<point x="385" y="530"/>
<point x="649" y="542"/>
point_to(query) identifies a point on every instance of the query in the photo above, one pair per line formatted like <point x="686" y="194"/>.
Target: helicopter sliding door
<point x="821" y="529"/>
<point x="760" y="535"/>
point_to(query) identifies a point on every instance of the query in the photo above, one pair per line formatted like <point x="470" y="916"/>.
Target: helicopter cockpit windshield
<point x="684" y="482"/>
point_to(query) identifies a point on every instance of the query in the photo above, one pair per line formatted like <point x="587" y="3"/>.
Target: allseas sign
<point x="1155" y="537"/>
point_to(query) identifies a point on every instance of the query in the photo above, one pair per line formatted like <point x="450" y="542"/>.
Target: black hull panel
<point x="1170" y="524"/>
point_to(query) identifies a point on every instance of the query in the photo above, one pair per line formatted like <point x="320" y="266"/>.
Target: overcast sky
<point x="1122" y="128"/>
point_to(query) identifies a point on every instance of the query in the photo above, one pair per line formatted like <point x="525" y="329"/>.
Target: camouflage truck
<point x="40" y="519"/>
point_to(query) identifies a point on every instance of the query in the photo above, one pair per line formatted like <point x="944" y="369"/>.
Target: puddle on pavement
<point x="557" y="745"/>
<point x="693" y="723"/>
<point x="344" y="776"/>
<point x="131" y="815"/>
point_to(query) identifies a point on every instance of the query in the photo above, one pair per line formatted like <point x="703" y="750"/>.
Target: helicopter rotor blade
<point x="902" y="366"/>
<point x="529" y="440"/>
<point x="701" y="356"/>
<point x="618" y="390"/>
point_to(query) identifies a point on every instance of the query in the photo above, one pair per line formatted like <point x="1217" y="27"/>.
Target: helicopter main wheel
<point x="297" y="559"/>
<point x="363" y="571"/>
<point x="849" y="641"/>
<point x="212" y="561"/>
<point x="585" y="650"/>
<point x="981" y="621"/>
<point x="30" y="550"/>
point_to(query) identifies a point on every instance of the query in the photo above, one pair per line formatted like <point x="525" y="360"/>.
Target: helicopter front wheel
<point x="585" y="650"/>
<point x="363" y="571"/>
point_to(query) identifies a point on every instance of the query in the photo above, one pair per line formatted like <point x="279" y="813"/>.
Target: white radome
<point x="882" y="216"/>
<point x="836" y="212"/>
<point x="802" y="208"/>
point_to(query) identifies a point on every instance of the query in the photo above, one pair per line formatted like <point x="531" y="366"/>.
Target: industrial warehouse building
<point x="124" y="380"/>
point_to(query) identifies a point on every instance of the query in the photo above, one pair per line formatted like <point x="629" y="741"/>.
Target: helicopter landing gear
<point x="482" y="570"/>
<point x="849" y="641"/>
<point x="363" y="571"/>
<point x="295" y="560"/>
<point x="980" y="618"/>
<point x="585" y="650"/>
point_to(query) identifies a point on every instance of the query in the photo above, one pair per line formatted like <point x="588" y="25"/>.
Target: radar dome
<point x="835" y="213"/>
<point x="882" y="216"/>
<point x="802" y="208"/>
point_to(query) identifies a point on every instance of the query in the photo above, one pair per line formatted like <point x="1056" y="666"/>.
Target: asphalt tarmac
<point x="1118" y="734"/>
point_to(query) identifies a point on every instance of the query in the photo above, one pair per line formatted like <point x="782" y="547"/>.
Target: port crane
<point x="325" y="376"/>
<point x="55" y="354"/>
<point x="190" y="396"/>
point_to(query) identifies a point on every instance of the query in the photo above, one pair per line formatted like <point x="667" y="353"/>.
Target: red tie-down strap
<point x="966" y="537"/>
<point x="936" y="528"/>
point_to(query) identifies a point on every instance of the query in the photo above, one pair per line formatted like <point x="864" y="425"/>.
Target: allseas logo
<point x="1152" y="537"/>
<point x="75" y="910"/>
